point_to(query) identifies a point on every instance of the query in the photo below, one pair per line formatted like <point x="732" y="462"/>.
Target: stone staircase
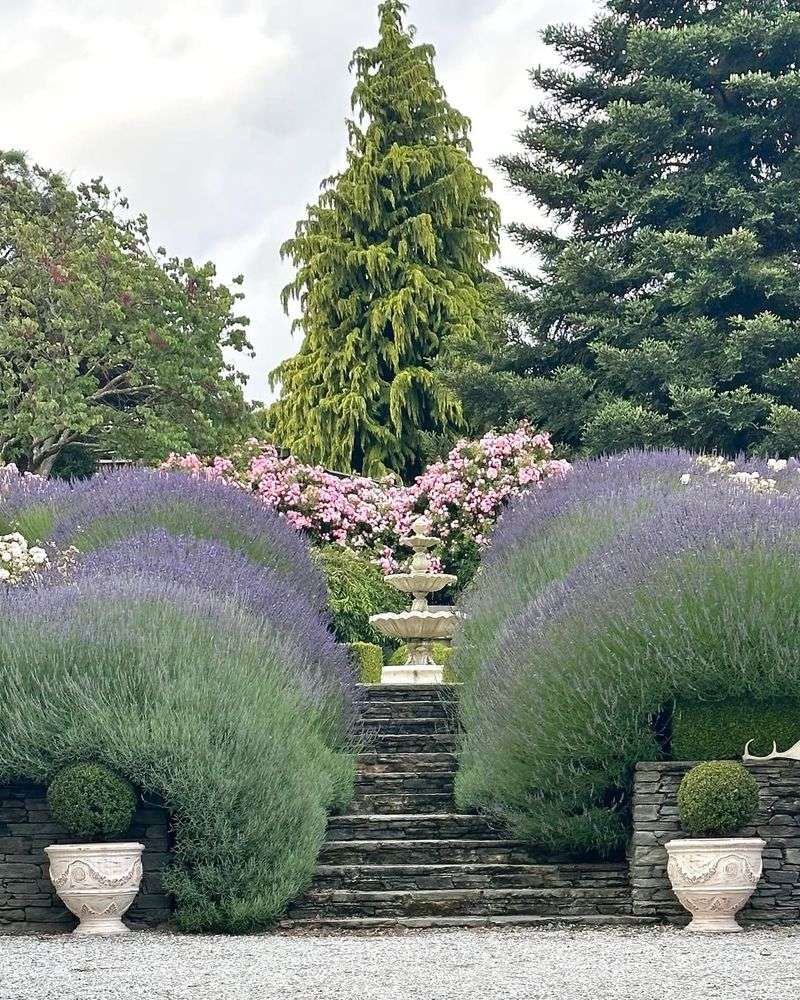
<point x="403" y="855"/>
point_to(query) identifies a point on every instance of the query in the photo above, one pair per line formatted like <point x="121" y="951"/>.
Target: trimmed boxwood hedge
<point x="369" y="661"/>
<point x="91" y="800"/>
<point x="719" y="730"/>
<point x="717" y="798"/>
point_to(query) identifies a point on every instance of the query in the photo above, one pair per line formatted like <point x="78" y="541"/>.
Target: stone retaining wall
<point x="655" y="821"/>
<point x="27" y="899"/>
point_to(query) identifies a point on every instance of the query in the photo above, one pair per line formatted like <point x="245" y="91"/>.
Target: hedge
<point x="719" y="730"/>
<point x="369" y="660"/>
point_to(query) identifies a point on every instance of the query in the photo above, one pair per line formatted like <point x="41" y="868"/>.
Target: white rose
<point x="4" y="574"/>
<point x="38" y="555"/>
<point x="686" y="479"/>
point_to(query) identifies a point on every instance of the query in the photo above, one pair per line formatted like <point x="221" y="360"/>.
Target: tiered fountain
<point x="420" y="627"/>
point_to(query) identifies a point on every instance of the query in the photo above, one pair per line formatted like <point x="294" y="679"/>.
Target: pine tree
<point x="390" y="264"/>
<point x="667" y="309"/>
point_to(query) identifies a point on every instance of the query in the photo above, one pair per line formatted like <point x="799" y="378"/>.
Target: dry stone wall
<point x="655" y="821"/>
<point x="27" y="899"/>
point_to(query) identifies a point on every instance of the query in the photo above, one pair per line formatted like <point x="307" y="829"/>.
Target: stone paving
<point x="653" y="963"/>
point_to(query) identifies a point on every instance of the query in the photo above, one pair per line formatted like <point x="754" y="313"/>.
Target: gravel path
<point x="521" y="964"/>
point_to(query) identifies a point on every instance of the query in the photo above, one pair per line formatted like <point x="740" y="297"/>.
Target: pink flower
<point x="462" y="495"/>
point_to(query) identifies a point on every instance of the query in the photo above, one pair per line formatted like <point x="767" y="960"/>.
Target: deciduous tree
<point x="102" y="340"/>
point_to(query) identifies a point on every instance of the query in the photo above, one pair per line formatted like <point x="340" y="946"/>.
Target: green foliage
<point x="666" y="308"/>
<point x="621" y="425"/>
<point x="75" y="461"/>
<point x="717" y="798"/>
<point x="390" y="265"/>
<point x="91" y="800"/>
<point x="720" y="729"/>
<point x="203" y="672"/>
<point x="603" y="599"/>
<point x="97" y="332"/>
<point x="356" y="590"/>
<point x="369" y="657"/>
<point x="201" y="712"/>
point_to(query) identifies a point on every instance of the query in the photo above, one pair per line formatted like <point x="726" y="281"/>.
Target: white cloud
<point x="220" y="117"/>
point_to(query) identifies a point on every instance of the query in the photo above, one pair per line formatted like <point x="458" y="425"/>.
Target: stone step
<point x="551" y="902"/>
<point x="405" y="692"/>
<point x="377" y="923"/>
<point x="401" y="763"/>
<point x="410" y="826"/>
<point x="405" y="783"/>
<point x="410" y="727"/>
<point x="399" y="878"/>
<point x="383" y="743"/>
<point x="389" y="803"/>
<point x="434" y="708"/>
<point x="442" y="851"/>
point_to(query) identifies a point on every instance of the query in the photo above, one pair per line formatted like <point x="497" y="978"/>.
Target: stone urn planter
<point x="714" y="878"/>
<point x="715" y="873"/>
<point x="97" y="882"/>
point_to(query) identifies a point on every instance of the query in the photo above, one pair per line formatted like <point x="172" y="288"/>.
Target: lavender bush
<point x="641" y="579"/>
<point x="96" y="512"/>
<point x="188" y="649"/>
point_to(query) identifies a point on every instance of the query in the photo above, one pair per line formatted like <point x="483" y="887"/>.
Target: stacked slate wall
<point x="655" y="821"/>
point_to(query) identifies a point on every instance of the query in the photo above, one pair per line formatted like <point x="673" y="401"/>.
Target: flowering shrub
<point x="754" y="479"/>
<point x="18" y="559"/>
<point x="462" y="496"/>
<point x="188" y="650"/>
<point x="602" y="601"/>
<point x="9" y="474"/>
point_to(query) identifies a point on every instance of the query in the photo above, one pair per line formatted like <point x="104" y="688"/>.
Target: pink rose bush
<point x="462" y="496"/>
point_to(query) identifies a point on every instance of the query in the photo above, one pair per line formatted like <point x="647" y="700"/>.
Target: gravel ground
<point x="512" y="964"/>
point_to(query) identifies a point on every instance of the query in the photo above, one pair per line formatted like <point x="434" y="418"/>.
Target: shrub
<point x="604" y="598"/>
<point x="717" y="798"/>
<point x="94" y="513"/>
<point x="720" y="729"/>
<point x="369" y="659"/>
<point x="462" y="495"/>
<point x="356" y="590"/>
<point x="91" y="800"/>
<point x="201" y="670"/>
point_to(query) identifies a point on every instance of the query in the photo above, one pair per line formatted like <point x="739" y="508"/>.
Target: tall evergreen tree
<point x="390" y="264"/>
<point x="666" y="155"/>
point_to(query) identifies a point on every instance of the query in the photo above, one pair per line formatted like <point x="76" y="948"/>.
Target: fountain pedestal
<point x="420" y="627"/>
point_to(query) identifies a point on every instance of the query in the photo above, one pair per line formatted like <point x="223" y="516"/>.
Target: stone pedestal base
<point x="412" y="673"/>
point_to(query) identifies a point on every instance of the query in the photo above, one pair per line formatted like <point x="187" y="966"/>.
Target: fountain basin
<point x="426" y="626"/>
<point x="421" y="583"/>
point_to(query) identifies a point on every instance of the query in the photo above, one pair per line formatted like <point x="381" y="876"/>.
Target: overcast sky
<point x="219" y="118"/>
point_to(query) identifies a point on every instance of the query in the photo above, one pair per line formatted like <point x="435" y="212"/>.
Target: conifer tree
<point x="390" y="264"/>
<point x="667" y="308"/>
